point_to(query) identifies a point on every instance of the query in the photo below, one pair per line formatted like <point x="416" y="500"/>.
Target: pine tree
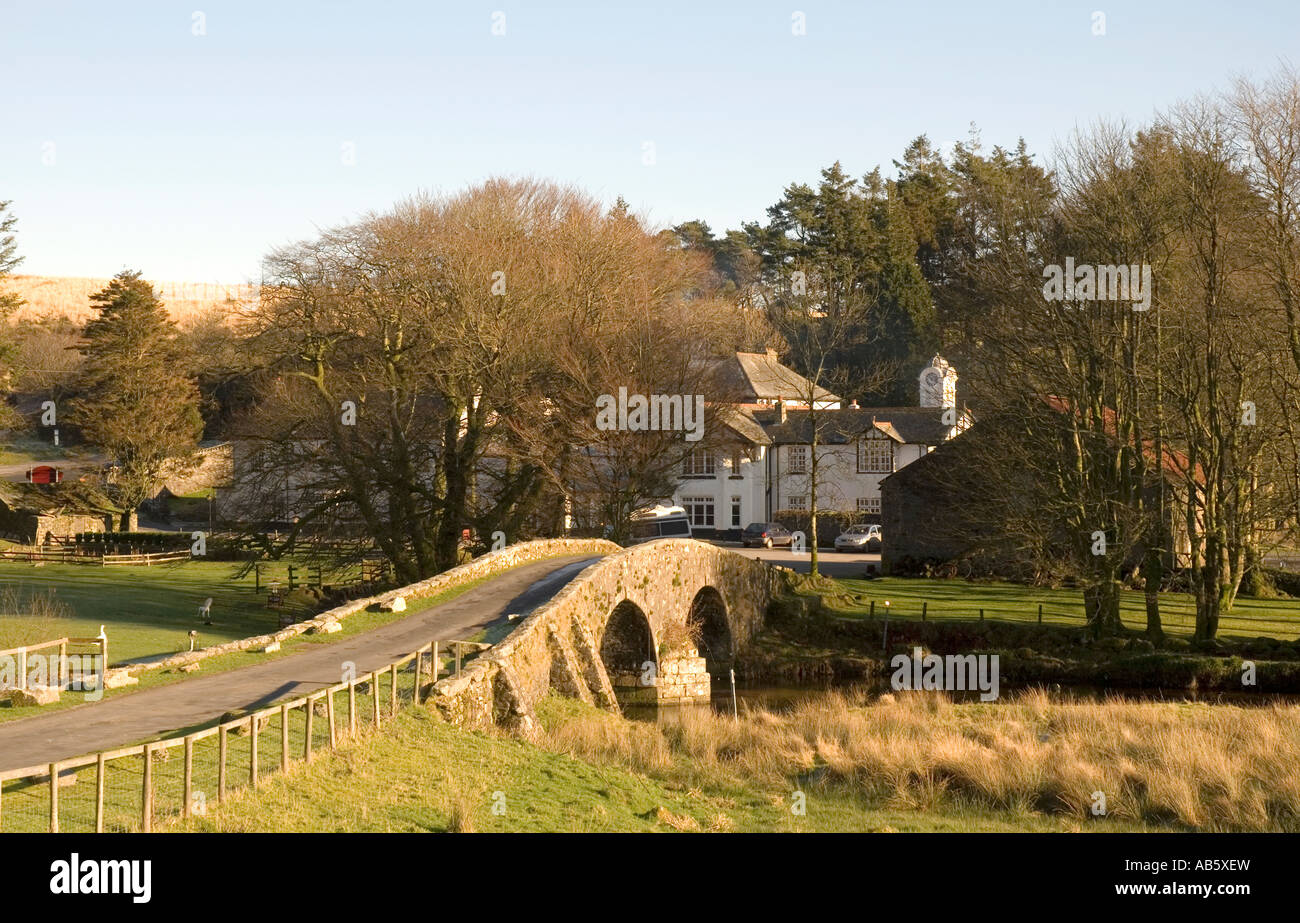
<point x="136" y="398"/>
<point x="9" y="301"/>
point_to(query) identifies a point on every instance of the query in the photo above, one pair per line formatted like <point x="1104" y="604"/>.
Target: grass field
<point x="961" y="599"/>
<point x="24" y="449"/>
<point x="421" y="774"/>
<point x="910" y="763"/>
<point x="355" y="624"/>
<point x="146" y="611"/>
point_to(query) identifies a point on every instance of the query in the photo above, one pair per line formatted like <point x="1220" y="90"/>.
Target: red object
<point x="44" y="474"/>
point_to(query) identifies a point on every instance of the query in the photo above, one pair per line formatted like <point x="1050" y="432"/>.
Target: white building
<point x="767" y="468"/>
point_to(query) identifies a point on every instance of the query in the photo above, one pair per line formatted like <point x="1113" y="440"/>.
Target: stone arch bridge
<point x="644" y="624"/>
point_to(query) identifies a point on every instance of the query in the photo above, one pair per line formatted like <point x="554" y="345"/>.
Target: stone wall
<point x="485" y="566"/>
<point x="34" y="528"/>
<point x="558" y="646"/>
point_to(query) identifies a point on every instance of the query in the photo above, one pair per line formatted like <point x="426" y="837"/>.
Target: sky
<point x="187" y="139"/>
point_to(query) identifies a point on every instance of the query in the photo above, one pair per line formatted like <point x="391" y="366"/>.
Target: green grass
<point x="16" y="449"/>
<point x="421" y="774"/>
<point x="146" y="610"/>
<point x="961" y="599"/>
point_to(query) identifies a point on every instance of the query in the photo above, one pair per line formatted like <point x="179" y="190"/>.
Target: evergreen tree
<point x="136" y="398"/>
<point x="9" y="301"/>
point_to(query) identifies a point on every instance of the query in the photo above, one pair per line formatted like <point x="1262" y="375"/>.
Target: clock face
<point x="932" y="377"/>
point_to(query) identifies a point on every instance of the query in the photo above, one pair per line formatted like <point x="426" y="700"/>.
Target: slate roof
<point x="761" y="377"/>
<point x="741" y="421"/>
<point x="918" y="425"/>
<point x="71" y="496"/>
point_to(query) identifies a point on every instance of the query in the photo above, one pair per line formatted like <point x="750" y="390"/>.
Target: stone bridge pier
<point x="648" y="624"/>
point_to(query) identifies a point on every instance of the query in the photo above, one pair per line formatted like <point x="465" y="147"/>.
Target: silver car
<point x="859" y="538"/>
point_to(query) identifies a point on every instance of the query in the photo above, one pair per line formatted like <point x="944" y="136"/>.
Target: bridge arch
<point x="708" y="622"/>
<point x="601" y="628"/>
<point x="627" y="643"/>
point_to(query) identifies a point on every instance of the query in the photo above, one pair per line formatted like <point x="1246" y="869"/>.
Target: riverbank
<point x="837" y="763"/>
<point x="817" y="636"/>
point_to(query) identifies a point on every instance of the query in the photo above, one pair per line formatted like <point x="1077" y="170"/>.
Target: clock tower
<point x="938" y="384"/>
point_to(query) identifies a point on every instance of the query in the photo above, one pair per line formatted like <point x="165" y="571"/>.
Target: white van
<point x="659" y="522"/>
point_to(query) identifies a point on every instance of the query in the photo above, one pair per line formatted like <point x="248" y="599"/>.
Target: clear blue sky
<point x="189" y="156"/>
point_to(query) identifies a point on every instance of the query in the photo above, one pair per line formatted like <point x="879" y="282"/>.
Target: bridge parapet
<point x="641" y="610"/>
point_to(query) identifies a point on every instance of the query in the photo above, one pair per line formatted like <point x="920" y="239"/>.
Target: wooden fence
<point x="61" y="676"/>
<point x="67" y="555"/>
<point x="132" y="788"/>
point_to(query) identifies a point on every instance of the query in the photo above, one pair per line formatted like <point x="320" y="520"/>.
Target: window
<point x="797" y="459"/>
<point x="736" y="458"/>
<point x="700" y="510"/>
<point x="868" y="504"/>
<point x="735" y="512"/>
<point x="699" y="464"/>
<point x="875" y="456"/>
<point x="798" y="503"/>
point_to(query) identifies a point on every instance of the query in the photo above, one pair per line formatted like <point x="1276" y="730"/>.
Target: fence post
<point x="284" y="738"/>
<point x="924" y="605"/>
<point x="329" y="712"/>
<point x="352" y="708"/>
<point x="54" y="797"/>
<point x="2" y="805"/>
<point x="436" y="667"/>
<point x="872" y="614"/>
<point x="419" y="674"/>
<point x="1040" y="613"/>
<point x="100" y="769"/>
<point x="146" y="800"/>
<point x="189" y="775"/>
<point x="221" y="763"/>
<point x="458" y="660"/>
<point x="374" y="689"/>
<point x="252" y="750"/>
<point x="22" y="668"/>
<point x="981" y="615"/>
<point x="311" y="715"/>
<point x="63" y="664"/>
<point x="392" y="701"/>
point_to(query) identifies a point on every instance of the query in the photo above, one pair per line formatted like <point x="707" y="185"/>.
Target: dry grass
<point x="1196" y="766"/>
<point x="27" y="619"/>
<point x="66" y="296"/>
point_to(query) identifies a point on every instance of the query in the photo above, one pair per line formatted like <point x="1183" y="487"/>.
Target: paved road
<point x="830" y="563"/>
<point x="127" y="719"/>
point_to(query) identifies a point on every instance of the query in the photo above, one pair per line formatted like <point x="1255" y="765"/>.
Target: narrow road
<point x="124" y="720"/>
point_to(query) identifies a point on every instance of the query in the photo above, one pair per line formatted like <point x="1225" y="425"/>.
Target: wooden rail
<point x="49" y="556"/>
<point x="257" y="722"/>
<point x="22" y="655"/>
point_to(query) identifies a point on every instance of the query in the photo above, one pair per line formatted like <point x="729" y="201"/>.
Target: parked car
<point x="659" y="522"/>
<point x="765" y="534"/>
<point x="859" y="538"/>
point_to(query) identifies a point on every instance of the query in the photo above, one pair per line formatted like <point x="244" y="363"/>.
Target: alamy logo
<point x="103" y="876"/>
<point x="67" y="672"/>
<point x="640" y="413"/>
<point x="952" y="673"/>
<point x="1096" y="282"/>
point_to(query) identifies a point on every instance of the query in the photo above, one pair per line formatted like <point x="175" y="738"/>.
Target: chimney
<point x="853" y="404"/>
<point x="780" y="410"/>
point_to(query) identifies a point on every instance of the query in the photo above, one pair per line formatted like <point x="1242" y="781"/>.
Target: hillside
<point x="69" y="296"/>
